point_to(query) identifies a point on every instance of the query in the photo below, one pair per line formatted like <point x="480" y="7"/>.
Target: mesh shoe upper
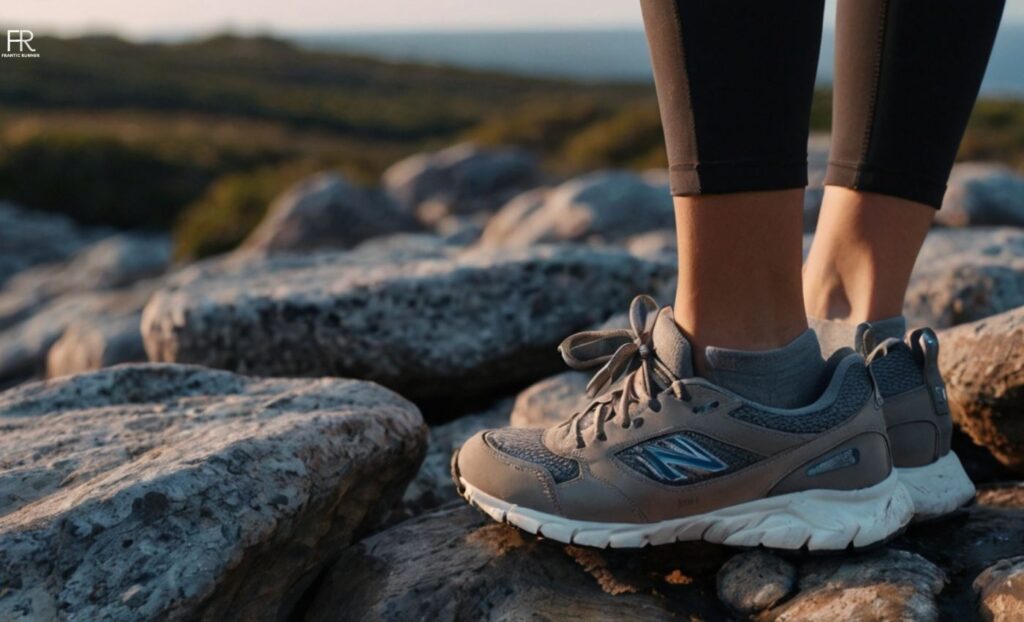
<point x="525" y="444"/>
<point x="897" y="372"/>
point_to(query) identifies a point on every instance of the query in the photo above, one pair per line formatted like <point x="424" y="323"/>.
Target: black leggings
<point x="735" y="80"/>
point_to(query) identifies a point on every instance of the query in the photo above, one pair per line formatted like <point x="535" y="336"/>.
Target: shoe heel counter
<point x="859" y="462"/>
<point x="925" y="345"/>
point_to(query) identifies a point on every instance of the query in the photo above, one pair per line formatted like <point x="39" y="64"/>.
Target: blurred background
<point x="189" y="117"/>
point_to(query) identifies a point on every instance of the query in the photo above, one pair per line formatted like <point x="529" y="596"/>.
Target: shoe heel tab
<point x="924" y="343"/>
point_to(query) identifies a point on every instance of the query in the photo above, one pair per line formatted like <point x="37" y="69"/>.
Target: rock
<point x="25" y="345"/>
<point x="148" y="492"/>
<point x="1003" y="495"/>
<point x="114" y="262"/>
<point x="604" y="207"/>
<point x="983" y="365"/>
<point x="754" y="581"/>
<point x="97" y="343"/>
<point x="454" y="564"/>
<point x="966" y="275"/>
<point x="504" y="223"/>
<point x="29" y="238"/>
<point x="983" y="193"/>
<point x="654" y="245"/>
<point x="450" y="328"/>
<point x="551" y="400"/>
<point x="462" y="179"/>
<point x="889" y="585"/>
<point x="1001" y="588"/>
<point x="433" y="486"/>
<point x="325" y="211"/>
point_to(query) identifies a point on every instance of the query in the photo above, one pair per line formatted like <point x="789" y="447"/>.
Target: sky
<point x="148" y="18"/>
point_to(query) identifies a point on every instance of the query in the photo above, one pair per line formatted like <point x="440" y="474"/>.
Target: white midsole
<point x="820" y="519"/>
<point x="938" y="488"/>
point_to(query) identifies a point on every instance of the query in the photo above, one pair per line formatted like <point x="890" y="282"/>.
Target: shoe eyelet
<point x="602" y="437"/>
<point x="638" y="422"/>
<point x="654" y="405"/>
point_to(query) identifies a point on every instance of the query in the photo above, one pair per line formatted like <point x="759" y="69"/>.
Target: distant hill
<point x="199" y="135"/>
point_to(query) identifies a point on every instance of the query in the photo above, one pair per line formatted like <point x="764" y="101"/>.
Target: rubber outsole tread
<point x="736" y="530"/>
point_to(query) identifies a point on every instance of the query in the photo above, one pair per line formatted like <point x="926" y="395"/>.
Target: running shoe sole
<point x="818" y="520"/>
<point x="937" y="489"/>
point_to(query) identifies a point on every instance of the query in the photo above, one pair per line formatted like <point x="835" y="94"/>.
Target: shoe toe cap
<point x="495" y="473"/>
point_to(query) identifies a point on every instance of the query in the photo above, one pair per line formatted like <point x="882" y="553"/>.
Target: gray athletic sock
<point x="835" y="334"/>
<point x="786" y="377"/>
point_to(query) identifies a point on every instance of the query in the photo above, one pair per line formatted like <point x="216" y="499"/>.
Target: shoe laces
<point x="629" y="374"/>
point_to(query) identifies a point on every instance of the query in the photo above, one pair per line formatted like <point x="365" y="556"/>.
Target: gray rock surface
<point x="983" y="365"/>
<point x="114" y="262"/>
<point x="454" y="564"/>
<point x="24" y="346"/>
<point x="548" y="401"/>
<point x="754" y="581"/>
<point x="87" y="345"/>
<point x="433" y="486"/>
<point x="453" y="328"/>
<point x="325" y="211"/>
<point x="169" y="492"/>
<point x="462" y="179"/>
<point x="889" y="585"/>
<point x="966" y="275"/>
<point x="1001" y="591"/>
<point x="29" y="238"/>
<point x="983" y="193"/>
<point x="603" y="207"/>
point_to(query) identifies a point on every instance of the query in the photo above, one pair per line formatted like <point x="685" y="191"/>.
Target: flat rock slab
<point x="454" y="564"/>
<point x="453" y="327"/>
<point x="181" y="493"/>
<point x="983" y="365"/>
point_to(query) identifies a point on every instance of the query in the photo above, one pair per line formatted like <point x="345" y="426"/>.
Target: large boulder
<point x="29" y="238"/>
<point x="114" y="262"/>
<point x="168" y="492"/>
<point x="462" y="179"/>
<point x="455" y="564"/>
<point x="966" y="275"/>
<point x="25" y="345"/>
<point x="983" y="193"/>
<point x="602" y="207"/>
<point x="325" y="212"/>
<point x="452" y="327"/>
<point x="983" y="365"/>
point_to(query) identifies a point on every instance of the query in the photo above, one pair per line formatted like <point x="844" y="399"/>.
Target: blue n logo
<point x="674" y="456"/>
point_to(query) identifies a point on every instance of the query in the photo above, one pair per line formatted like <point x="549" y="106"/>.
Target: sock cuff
<point x="793" y="354"/>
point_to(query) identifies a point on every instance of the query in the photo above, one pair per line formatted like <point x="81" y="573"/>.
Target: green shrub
<point x="630" y="138"/>
<point x="98" y="180"/>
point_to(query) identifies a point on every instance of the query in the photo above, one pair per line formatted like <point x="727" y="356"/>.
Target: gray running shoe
<point x="660" y="455"/>
<point x="918" y="420"/>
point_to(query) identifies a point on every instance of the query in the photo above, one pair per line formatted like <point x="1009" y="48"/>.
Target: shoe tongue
<point x="671" y="347"/>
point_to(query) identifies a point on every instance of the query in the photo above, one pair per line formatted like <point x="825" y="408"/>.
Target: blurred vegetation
<point x="197" y="137"/>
